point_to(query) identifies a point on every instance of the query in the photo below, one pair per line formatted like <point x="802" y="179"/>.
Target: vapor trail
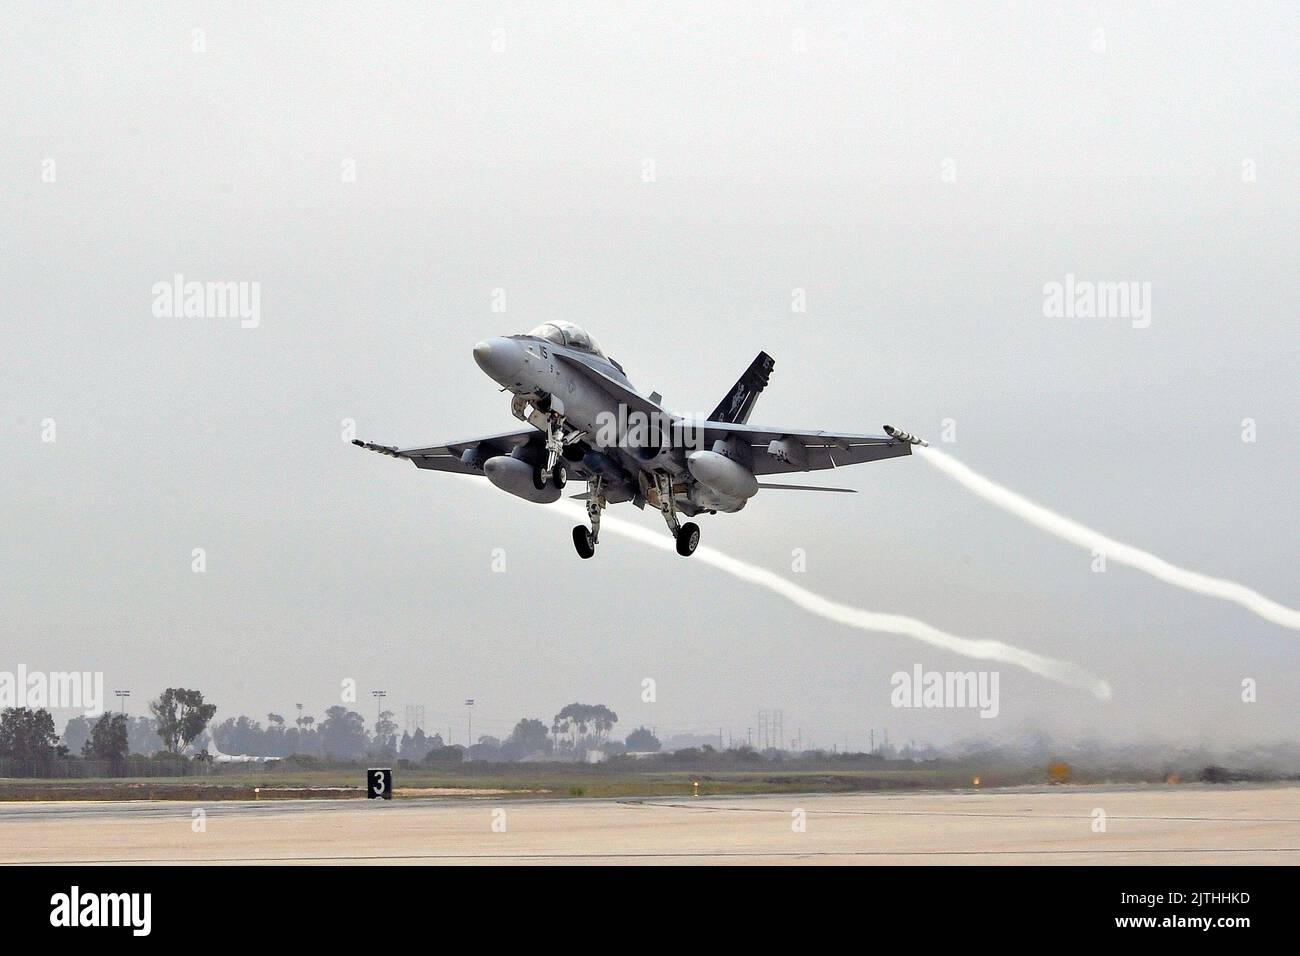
<point x="1062" y="672"/>
<point x="1085" y="537"/>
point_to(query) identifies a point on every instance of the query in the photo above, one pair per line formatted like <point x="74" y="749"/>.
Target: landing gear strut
<point x="687" y="535"/>
<point x="583" y="540"/>
<point x="556" y="441"/>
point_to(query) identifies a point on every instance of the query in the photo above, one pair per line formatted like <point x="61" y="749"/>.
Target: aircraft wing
<point x="448" y="457"/>
<point x="803" y="449"/>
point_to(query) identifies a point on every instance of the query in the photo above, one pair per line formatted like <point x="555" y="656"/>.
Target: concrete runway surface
<point x="1155" y="825"/>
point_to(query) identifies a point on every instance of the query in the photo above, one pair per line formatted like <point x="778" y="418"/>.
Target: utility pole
<point x="469" y="721"/>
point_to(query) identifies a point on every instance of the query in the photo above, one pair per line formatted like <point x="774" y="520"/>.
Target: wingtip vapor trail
<point x="1069" y="530"/>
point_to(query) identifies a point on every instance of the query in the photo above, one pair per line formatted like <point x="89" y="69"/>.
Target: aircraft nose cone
<point x="499" y="357"/>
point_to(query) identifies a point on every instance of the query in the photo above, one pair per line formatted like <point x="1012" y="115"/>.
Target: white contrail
<point x="1061" y="671"/>
<point x="1113" y="550"/>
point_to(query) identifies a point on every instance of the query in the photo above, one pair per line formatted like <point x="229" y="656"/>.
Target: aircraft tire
<point x="582" y="541"/>
<point x="559" y="476"/>
<point x="688" y="539"/>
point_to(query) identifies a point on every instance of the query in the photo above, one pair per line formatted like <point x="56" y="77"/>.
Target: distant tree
<point x="385" y="740"/>
<point x="76" y="733"/>
<point x="642" y="740"/>
<point x="304" y="739"/>
<point x="343" y="733"/>
<point x="487" y="748"/>
<point x="445" y="756"/>
<point x="142" y="733"/>
<point x="585" y="725"/>
<point x="528" y="737"/>
<point x="180" y="715"/>
<point x="108" y="739"/>
<point x="28" y="735"/>
<point x="602" y="721"/>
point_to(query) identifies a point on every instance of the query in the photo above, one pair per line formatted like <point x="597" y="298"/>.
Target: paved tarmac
<point x="1072" y="825"/>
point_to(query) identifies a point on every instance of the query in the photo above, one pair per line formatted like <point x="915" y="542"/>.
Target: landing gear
<point x="687" y="535"/>
<point x="584" y="540"/>
<point x="554" y="440"/>
<point x="558" y="476"/>
<point x="688" y="539"/>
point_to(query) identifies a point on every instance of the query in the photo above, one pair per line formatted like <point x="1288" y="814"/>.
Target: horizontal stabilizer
<point x="846" y="491"/>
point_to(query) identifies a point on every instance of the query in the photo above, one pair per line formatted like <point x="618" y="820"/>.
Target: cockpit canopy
<point x="566" y="333"/>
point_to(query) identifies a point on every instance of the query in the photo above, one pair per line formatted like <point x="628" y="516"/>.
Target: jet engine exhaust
<point x="1118" y="551"/>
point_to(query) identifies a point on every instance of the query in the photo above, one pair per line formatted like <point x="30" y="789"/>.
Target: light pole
<point x="121" y="696"/>
<point x="469" y="722"/>
<point x="379" y="696"/>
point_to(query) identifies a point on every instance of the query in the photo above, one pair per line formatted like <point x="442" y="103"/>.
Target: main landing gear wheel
<point x="688" y="539"/>
<point x="539" y="477"/>
<point x="559" y="477"/>
<point x="583" y="542"/>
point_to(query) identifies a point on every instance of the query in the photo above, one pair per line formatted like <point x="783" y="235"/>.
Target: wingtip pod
<point x="908" y="437"/>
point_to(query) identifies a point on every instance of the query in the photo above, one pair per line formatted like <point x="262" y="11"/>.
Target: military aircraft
<point x="584" y="419"/>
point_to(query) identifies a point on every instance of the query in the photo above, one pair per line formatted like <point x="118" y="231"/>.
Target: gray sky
<point x="799" y="147"/>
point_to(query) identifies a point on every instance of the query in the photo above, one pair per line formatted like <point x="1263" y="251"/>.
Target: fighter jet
<point x="583" y="419"/>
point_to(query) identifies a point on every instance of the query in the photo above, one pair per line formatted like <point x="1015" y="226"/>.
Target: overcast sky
<point x="920" y="171"/>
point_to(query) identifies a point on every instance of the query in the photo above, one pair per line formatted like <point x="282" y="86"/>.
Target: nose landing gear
<point x="556" y="444"/>
<point x="557" y="475"/>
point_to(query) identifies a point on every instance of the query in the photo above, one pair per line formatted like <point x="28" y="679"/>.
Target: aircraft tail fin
<point x="735" y="408"/>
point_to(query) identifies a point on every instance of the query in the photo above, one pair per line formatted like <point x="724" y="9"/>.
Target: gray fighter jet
<point x="585" y="420"/>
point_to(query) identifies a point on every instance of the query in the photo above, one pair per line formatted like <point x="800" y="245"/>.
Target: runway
<point x="1085" y="826"/>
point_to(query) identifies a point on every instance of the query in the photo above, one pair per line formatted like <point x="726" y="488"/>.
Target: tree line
<point x="180" y="724"/>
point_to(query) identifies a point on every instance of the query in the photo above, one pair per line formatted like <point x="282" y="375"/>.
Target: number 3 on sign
<point x="379" y="783"/>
